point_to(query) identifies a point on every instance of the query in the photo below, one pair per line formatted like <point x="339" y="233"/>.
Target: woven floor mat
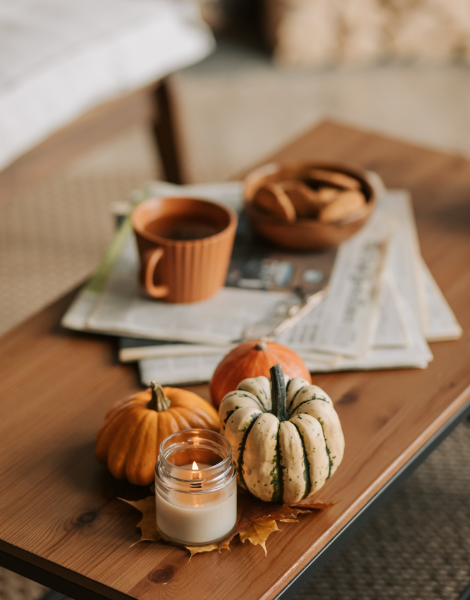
<point x="14" y="587"/>
<point x="416" y="547"/>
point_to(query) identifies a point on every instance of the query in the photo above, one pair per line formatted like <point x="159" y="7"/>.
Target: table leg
<point x="51" y="595"/>
<point x="465" y="595"/>
<point x="167" y="134"/>
<point x="41" y="575"/>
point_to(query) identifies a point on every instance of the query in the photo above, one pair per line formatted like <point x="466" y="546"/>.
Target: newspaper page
<point x="442" y="324"/>
<point x="318" y="329"/>
<point x="416" y="355"/>
<point x="405" y="254"/>
<point x="133" y="349"/>
<point x="345" y="321"/>
<point x="178" y="370"/>
<point x="392" y="330"/>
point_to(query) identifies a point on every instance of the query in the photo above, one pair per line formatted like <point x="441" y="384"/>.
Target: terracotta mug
<point x="184" y="246"/>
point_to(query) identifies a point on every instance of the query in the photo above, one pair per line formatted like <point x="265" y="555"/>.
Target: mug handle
<point x="150" y="261"/>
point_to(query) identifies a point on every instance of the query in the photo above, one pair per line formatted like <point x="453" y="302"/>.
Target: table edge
<point x="54" y="576"/>
<point x="378" y="492"/>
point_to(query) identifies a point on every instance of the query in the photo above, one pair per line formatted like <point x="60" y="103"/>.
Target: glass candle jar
<point x="195" y="488"/>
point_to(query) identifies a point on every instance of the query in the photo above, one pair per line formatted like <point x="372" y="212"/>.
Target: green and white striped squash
<point x="286" y="436"/>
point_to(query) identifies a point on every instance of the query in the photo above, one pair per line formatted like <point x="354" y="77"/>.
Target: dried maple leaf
<point x="258" y="533"/>
<point x="196" y="549"/>
<point x="250" y="510"/>
<point x="256" y="520"/>
<point x="290" y="520"/>
<point x="148" y="523"/>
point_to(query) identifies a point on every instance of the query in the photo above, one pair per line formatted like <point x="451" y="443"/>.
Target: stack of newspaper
<point x="381" y="308"/>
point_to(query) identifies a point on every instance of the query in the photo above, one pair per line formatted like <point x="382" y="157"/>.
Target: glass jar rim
<point x="216" y="474"/>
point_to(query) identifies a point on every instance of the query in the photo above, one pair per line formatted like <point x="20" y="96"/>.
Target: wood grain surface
<point x="58" y="508"/>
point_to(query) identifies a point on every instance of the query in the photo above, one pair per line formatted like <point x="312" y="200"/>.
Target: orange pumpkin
<point x="129" y="440"/>
<point x="253" y="359"/>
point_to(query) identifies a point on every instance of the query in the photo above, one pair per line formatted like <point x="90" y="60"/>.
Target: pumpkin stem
<point x="159" y="401"/>
<point x="278" y="393"/>
<point x="261" y="346"/>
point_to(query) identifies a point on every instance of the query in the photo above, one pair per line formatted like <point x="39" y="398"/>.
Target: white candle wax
<point x="197" y="518"/>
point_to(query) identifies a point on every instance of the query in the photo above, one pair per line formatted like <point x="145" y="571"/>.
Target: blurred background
<point x="399" y="67"/>
<point x="276" y="69"/>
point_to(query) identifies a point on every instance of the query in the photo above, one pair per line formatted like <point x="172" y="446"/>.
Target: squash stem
<point x="159" y="401"/>
<point x="278" y="393"/>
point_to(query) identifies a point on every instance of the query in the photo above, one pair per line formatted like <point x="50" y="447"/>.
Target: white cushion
<point x="59" y="58"/>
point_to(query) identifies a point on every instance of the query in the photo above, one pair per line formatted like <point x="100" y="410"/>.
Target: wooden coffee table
<point x="60" y="521"/>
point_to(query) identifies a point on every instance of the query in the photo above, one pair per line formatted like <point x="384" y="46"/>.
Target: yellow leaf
<point x="258" y="533"/>
<point x="148" y="522"/>
<point x="224" y="545"/>
<point x="290" y="520"/>
<point x="196" y="549"/>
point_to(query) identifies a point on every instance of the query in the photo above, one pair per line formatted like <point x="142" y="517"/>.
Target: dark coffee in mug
<point x="178" y="228"/>
<point x="184" y="247"/>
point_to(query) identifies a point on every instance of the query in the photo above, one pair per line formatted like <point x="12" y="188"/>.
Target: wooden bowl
<point x="304" y="234"/>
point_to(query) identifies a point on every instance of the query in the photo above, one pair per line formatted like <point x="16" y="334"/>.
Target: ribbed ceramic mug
<point x="184" y="247"/>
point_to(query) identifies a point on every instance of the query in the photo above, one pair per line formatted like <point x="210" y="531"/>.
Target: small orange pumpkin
<point x="253" y="359"/>
<point x="129" y="440"/>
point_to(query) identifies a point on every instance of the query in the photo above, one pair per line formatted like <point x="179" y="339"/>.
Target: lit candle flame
<point x="195" y="467"/>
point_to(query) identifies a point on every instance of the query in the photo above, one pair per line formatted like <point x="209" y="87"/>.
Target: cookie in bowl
<point x="307" y="205"/>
